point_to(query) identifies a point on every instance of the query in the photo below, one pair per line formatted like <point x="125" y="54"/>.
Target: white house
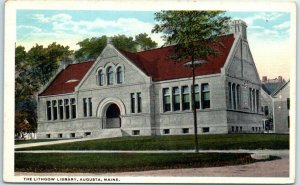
<point x="145" y="93"/>
<point x="281" y="108"/>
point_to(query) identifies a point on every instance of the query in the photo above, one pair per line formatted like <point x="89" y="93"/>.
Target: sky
<point x="268" y="32"/>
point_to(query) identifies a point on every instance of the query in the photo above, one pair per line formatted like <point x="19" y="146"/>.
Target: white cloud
<point x="41" y="18"/>
<point x="29" y="28"/>
<point x="284" y="25"/>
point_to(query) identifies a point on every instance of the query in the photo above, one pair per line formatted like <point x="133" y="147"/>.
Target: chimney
<point x="264" y="79"/>
<point x="280" y="79"/>
<point x="239" y="27"/>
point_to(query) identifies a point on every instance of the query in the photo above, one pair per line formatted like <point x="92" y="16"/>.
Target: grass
<point x="182" y="142"/>
<point x="91" y="162"/>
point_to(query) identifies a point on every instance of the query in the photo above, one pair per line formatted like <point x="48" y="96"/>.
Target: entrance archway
<point x="113" y="119"/>
<point x="111" y="112"/>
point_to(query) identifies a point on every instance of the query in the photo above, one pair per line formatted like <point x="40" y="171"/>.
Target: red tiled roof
<point x="68" y="79"/>
<point x="155" y="62"/>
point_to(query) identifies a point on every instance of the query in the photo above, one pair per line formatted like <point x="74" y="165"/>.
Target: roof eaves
<point x="279" y="88"/>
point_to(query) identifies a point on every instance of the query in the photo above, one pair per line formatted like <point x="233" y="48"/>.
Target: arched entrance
<point x="111" y="112"/>
<point x="113" y="119"/>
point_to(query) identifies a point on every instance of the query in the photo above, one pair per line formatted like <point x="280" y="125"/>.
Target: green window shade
<point x="206" y="96"/>
<point x="186" y="98"/>
<point x="197" y="97"/>
<point x="167" y="100"/>
<point x="176" y="99"/>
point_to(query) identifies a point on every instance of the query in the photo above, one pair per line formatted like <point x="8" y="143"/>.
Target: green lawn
<point x="221" y="142"/>
<point x="91" y="162"/>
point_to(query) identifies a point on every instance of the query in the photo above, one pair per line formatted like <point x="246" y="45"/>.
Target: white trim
<point x="104" y="104"/>
<point x="188" y="78"/>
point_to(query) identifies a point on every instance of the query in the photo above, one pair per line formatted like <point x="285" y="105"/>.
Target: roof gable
<point x="68" y="79"/>
<point x="157" y="64"/>
<point x="280" y="88"/>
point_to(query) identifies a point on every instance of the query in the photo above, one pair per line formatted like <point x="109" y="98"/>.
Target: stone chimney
<point x="280" y="79"/>
<point x="239" y="27"/>
<point x="264" y="79"/>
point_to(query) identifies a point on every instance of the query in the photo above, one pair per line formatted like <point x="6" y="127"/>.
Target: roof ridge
<point x="163" y="47"/>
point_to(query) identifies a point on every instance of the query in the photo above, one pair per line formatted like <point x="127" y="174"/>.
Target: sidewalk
<point x="27" y="145"/>
<point x="280" y="153"/>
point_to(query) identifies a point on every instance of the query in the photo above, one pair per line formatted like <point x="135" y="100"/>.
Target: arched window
<point x="110" y="75"/>
<point x="119" y="75"/>
<point x="234" y="96"/>
<point x="100" y="78"/>
<point x="238" y="91"/>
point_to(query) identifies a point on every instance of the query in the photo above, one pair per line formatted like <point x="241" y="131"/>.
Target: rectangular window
<point x="84" y="107"/>
<point x="197" y="97"/>
<point x="49" y="110"/>
<point x="266" y="110"/>
<point x="166" y="131"/>
<point x="185" y="98"/>
<point x="136" y="132"/>
<point x="205" y="129"/>
<point x="132" y="101"/>
<point x="257" y="100"/>
<point x="166" y="100"/>
<point x="61" y="109"/>
<point x="54" y="105"/>
<point x="185" y="130"/>
<point x="48" y="136"/>
<point x="59" y="135"/>
<point x="72" y="135"/>
<point x="250" y="99"/>
<point x="73" y="108"/>
<point x="67" y="108"/>
<point x="288" y="121"/>
<point x="87" y="134"/>
<point x="90" y="107"/>
<point x="232" y="129"/>
<point x="139" y="102"/>
<point x="176" y="98"/>
<point x="236" y="129"/>
<point x="241" y="129"/>
<point x="288" y="103"/>
<point x="229" y="95"/>
<point x="205" y="96"/>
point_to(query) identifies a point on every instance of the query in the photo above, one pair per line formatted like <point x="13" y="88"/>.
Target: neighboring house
<point x="145" y="93"/>
<point x="24" y="131"/>
<point x="267" y="109"/>
<point x="281" y="107"/>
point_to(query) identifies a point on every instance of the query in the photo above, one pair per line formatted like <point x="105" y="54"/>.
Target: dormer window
<point x="72" y="80"/>
<point x="110" y="75"/>
<point x="100" y="78"/>
<point x="119" y="75"/>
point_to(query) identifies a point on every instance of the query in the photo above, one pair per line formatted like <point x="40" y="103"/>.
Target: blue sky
<point x="268" y="32"/>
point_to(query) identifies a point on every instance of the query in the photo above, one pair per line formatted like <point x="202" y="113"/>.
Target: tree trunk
<point x="194" y="109"/>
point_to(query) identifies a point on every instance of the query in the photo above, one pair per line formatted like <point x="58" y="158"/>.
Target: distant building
<point x="281" y="108"/>
<point x="270" y="87"/>
<point x="267" y="109"/>
<point x="145" y="93"/>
